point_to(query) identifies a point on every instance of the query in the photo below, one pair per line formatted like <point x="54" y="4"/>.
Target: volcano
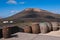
<point x="34" y="15"/>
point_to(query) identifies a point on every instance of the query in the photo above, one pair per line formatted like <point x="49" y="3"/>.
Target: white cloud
<point x="14" y="2"/>
<point x="21" y="2"/>
<point x="12" y="11"/>
<point x="11" y="2"/>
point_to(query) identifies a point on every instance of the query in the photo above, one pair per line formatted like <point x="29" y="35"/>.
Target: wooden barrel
<point x="35" y="28"/>
<point x="43" y="27"/>
<point x="59" y="25"/>
<point x="49" y="26"/>
<point x="54" y="26"/>
<point x="5" y="32"/>
<point x="27" y="29"/>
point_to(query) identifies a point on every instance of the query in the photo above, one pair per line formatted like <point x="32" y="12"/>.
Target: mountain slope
<point x="34" y="14"/>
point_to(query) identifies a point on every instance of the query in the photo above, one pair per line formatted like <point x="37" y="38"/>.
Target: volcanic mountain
<point x="34" y="14"/>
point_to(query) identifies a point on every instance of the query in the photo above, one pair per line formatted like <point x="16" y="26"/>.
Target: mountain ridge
<point x="34" y="13"/>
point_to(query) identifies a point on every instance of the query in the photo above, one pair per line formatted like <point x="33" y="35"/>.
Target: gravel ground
<point x="27" y="36"/>
<point x="45" y="37"/>
<point x="53" y="33"/>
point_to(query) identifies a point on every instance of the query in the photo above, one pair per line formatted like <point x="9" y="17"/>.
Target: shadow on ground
<point x="15" y="29"/>
<point x="0" y="33"/>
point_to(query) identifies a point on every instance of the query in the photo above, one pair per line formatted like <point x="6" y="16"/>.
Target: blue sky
<point x="11" y="7"/>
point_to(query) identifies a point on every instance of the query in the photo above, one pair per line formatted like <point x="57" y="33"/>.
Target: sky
<point x="11" y="7"/>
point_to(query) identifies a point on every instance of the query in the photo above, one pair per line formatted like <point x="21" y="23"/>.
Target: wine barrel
<point x="43" y="27"/>
<point x="35" y="28"/>
<point x="54" y="26"/>
<point x="27" y="29"/>
<point x="49" y="26"/>
<point x="59" y="25"/>
<point x="5" y="32"/>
